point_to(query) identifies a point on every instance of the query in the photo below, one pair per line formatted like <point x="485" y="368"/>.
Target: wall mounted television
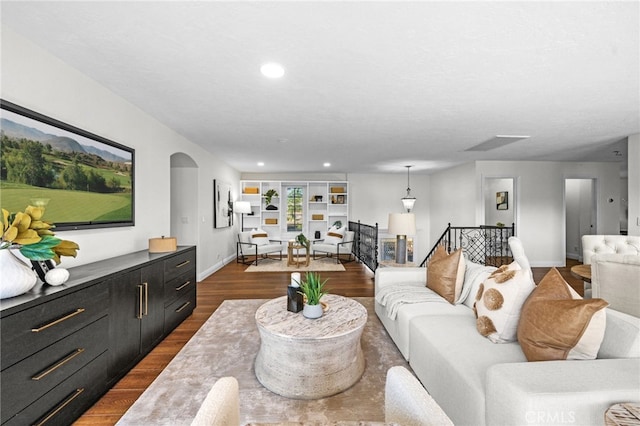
<point x="83" y="180"/>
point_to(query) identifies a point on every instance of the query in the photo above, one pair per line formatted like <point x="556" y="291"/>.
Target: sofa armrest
<point x="559" y="392"/>
<point x="407" y="402"/>
<point x="389" y="276"/>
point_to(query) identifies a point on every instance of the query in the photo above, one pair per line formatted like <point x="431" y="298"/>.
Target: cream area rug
<point x="275" y="265"/>
<point x="227" y="344"/>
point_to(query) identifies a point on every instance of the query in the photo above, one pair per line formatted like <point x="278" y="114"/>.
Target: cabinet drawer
<point x="35" y="328"/>
<point x="176" y="312"/>
<point x="179" y="264"/>
<point x="179" y="286"/>
<point x="67" y="401"/>
<point x="31" y="378"/>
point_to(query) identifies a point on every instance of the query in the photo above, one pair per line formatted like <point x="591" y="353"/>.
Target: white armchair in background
<point x="606" y="244"/>
<point x="616" y="279"/>
<point x="339" y="250"/>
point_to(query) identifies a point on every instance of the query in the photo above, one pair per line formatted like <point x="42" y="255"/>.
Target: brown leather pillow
<point x="557" y="324"/>
<point x="445" y="274"/>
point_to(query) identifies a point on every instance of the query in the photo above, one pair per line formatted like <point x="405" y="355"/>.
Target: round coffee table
<point x="310" y="359"/>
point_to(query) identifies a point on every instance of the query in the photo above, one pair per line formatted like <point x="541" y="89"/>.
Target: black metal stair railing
<point x="365" y="243"/>
<point x="484" y="244"/>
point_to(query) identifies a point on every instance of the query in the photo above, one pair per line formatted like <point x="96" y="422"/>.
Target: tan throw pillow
<point x="335" y="235"/>
<point x="259" y="237"/>
<point x="499" y="301"/>
<point x="445" y="274"/>
<point x="556" y="323"/>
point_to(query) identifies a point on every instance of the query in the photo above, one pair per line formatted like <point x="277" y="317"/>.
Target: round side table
<point x="310" y="359"/>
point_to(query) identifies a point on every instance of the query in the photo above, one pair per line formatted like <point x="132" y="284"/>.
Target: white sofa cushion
<point x="474" y="275"/>
<point x="609" y="244"/>
<point x="621" y="336"/>
<point x="451" y="359"/>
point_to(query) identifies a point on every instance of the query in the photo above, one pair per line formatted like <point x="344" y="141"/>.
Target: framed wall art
<point x="222" y="204"/>
<point x="502" y="200"/>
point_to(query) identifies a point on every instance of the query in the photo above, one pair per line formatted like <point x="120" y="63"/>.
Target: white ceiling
<point x="369" y="86"/>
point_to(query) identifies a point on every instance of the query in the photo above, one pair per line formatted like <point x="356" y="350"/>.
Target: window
<point x="295" y="211"/>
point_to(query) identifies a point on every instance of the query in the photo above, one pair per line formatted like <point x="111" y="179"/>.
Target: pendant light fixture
<point x="408" y="201"/>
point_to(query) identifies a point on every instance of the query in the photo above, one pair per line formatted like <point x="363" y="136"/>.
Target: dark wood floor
<point x="231" y="283"/>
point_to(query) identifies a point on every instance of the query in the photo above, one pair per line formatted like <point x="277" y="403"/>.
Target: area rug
<point x="227" y="344"/>
<point x="275" y="265"/>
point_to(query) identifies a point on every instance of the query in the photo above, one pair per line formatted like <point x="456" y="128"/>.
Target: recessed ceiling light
<point x="327" y="164"/>
<point x="272" y="70"/>
<point x="260" y="163"/>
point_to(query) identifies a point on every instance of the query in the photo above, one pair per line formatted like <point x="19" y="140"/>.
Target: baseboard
<point x="215" y="267"/>
<point x="547" y="264"/>
<point x="573" y="256"/>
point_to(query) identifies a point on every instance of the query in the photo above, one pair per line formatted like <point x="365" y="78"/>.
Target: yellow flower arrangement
<point x="34" y="237"/>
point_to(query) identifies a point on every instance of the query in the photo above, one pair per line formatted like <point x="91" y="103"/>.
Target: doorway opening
<point x="580" y="214"/>
<point x="499" y="201"/>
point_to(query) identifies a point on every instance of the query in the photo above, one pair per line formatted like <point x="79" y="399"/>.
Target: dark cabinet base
<point x="64" y="347"/>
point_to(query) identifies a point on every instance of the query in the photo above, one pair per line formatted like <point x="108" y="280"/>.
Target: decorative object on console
<point x="445" y="274"/>
<point x="268" y="196"/>
<point x="57" y="276"/>
<point x="408" y="201"/>
<point x="500" y="298"/>
<point x="33" y="238"/>
<point x="401" y="225"/>
<point x="242" y="207"/>
<point x="557" y="324"/>
<point x="163" y="245"/>
<point x="312" y="287"/>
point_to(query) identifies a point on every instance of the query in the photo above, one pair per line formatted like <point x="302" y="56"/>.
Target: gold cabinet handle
<point x="183" y="286"/>
<point x="186" y="262"/>
<point x="146" y="298"/>
<point x="60" y="406"/>
<point x="58" y="321"/>
<point x="140" y="296"/>
<point x="58" y="364"/>
<point x="181" y="308"/>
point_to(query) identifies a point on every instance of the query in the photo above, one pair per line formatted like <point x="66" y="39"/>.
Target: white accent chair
<point x="249" y="253"/>
<point x="338" y="250"/>
<point x="407" y="403"/>
<point x="616" y="279"/>
<point x="606" y="244"/>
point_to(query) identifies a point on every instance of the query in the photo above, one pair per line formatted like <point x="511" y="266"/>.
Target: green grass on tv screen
<point x="65" y="206"/>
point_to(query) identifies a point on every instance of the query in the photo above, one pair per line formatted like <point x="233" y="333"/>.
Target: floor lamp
<point x="402" y="224"/>
<point x="242" y="207"/>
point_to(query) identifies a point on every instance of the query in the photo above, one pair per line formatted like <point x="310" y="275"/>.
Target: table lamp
<point x="402" y="224"/>
<point x="242" y="207"/>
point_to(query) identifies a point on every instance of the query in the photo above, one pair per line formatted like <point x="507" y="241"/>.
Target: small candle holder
<point x="294" y="299"/>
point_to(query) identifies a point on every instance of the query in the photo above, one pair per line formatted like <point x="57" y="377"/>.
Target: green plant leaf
<point x="42" y="250"/>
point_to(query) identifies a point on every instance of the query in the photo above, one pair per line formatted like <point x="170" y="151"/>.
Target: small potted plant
<point x="312" y="288"/>
<point x="267" y="199"/>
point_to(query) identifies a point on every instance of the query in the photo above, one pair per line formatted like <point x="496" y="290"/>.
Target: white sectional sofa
<point x="478" y="382"/>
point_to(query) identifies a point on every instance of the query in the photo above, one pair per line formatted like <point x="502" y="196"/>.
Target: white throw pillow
<point x="259" y="237"/>
<point x="334" y="235"/>
<point x="474" y="275"/>
<point x="499" y="302"/>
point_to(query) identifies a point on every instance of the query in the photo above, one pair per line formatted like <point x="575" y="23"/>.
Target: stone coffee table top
<point x="342" y="315"/>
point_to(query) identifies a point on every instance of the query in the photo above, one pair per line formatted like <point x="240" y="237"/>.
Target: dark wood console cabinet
<point x="64" y="347"/>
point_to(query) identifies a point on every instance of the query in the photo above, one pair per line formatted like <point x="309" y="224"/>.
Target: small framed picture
<point x="502" y="200"/>
<point x="340" y="199"/>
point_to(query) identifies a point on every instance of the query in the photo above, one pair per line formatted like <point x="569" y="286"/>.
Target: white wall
<point x="540" y="222"/>
<point x="491" y="214"/>
<point x="374" y="196"/>
<point x="633" y="149"/>
<point x="454" y="195"/>
<point x="34" y="79"/>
